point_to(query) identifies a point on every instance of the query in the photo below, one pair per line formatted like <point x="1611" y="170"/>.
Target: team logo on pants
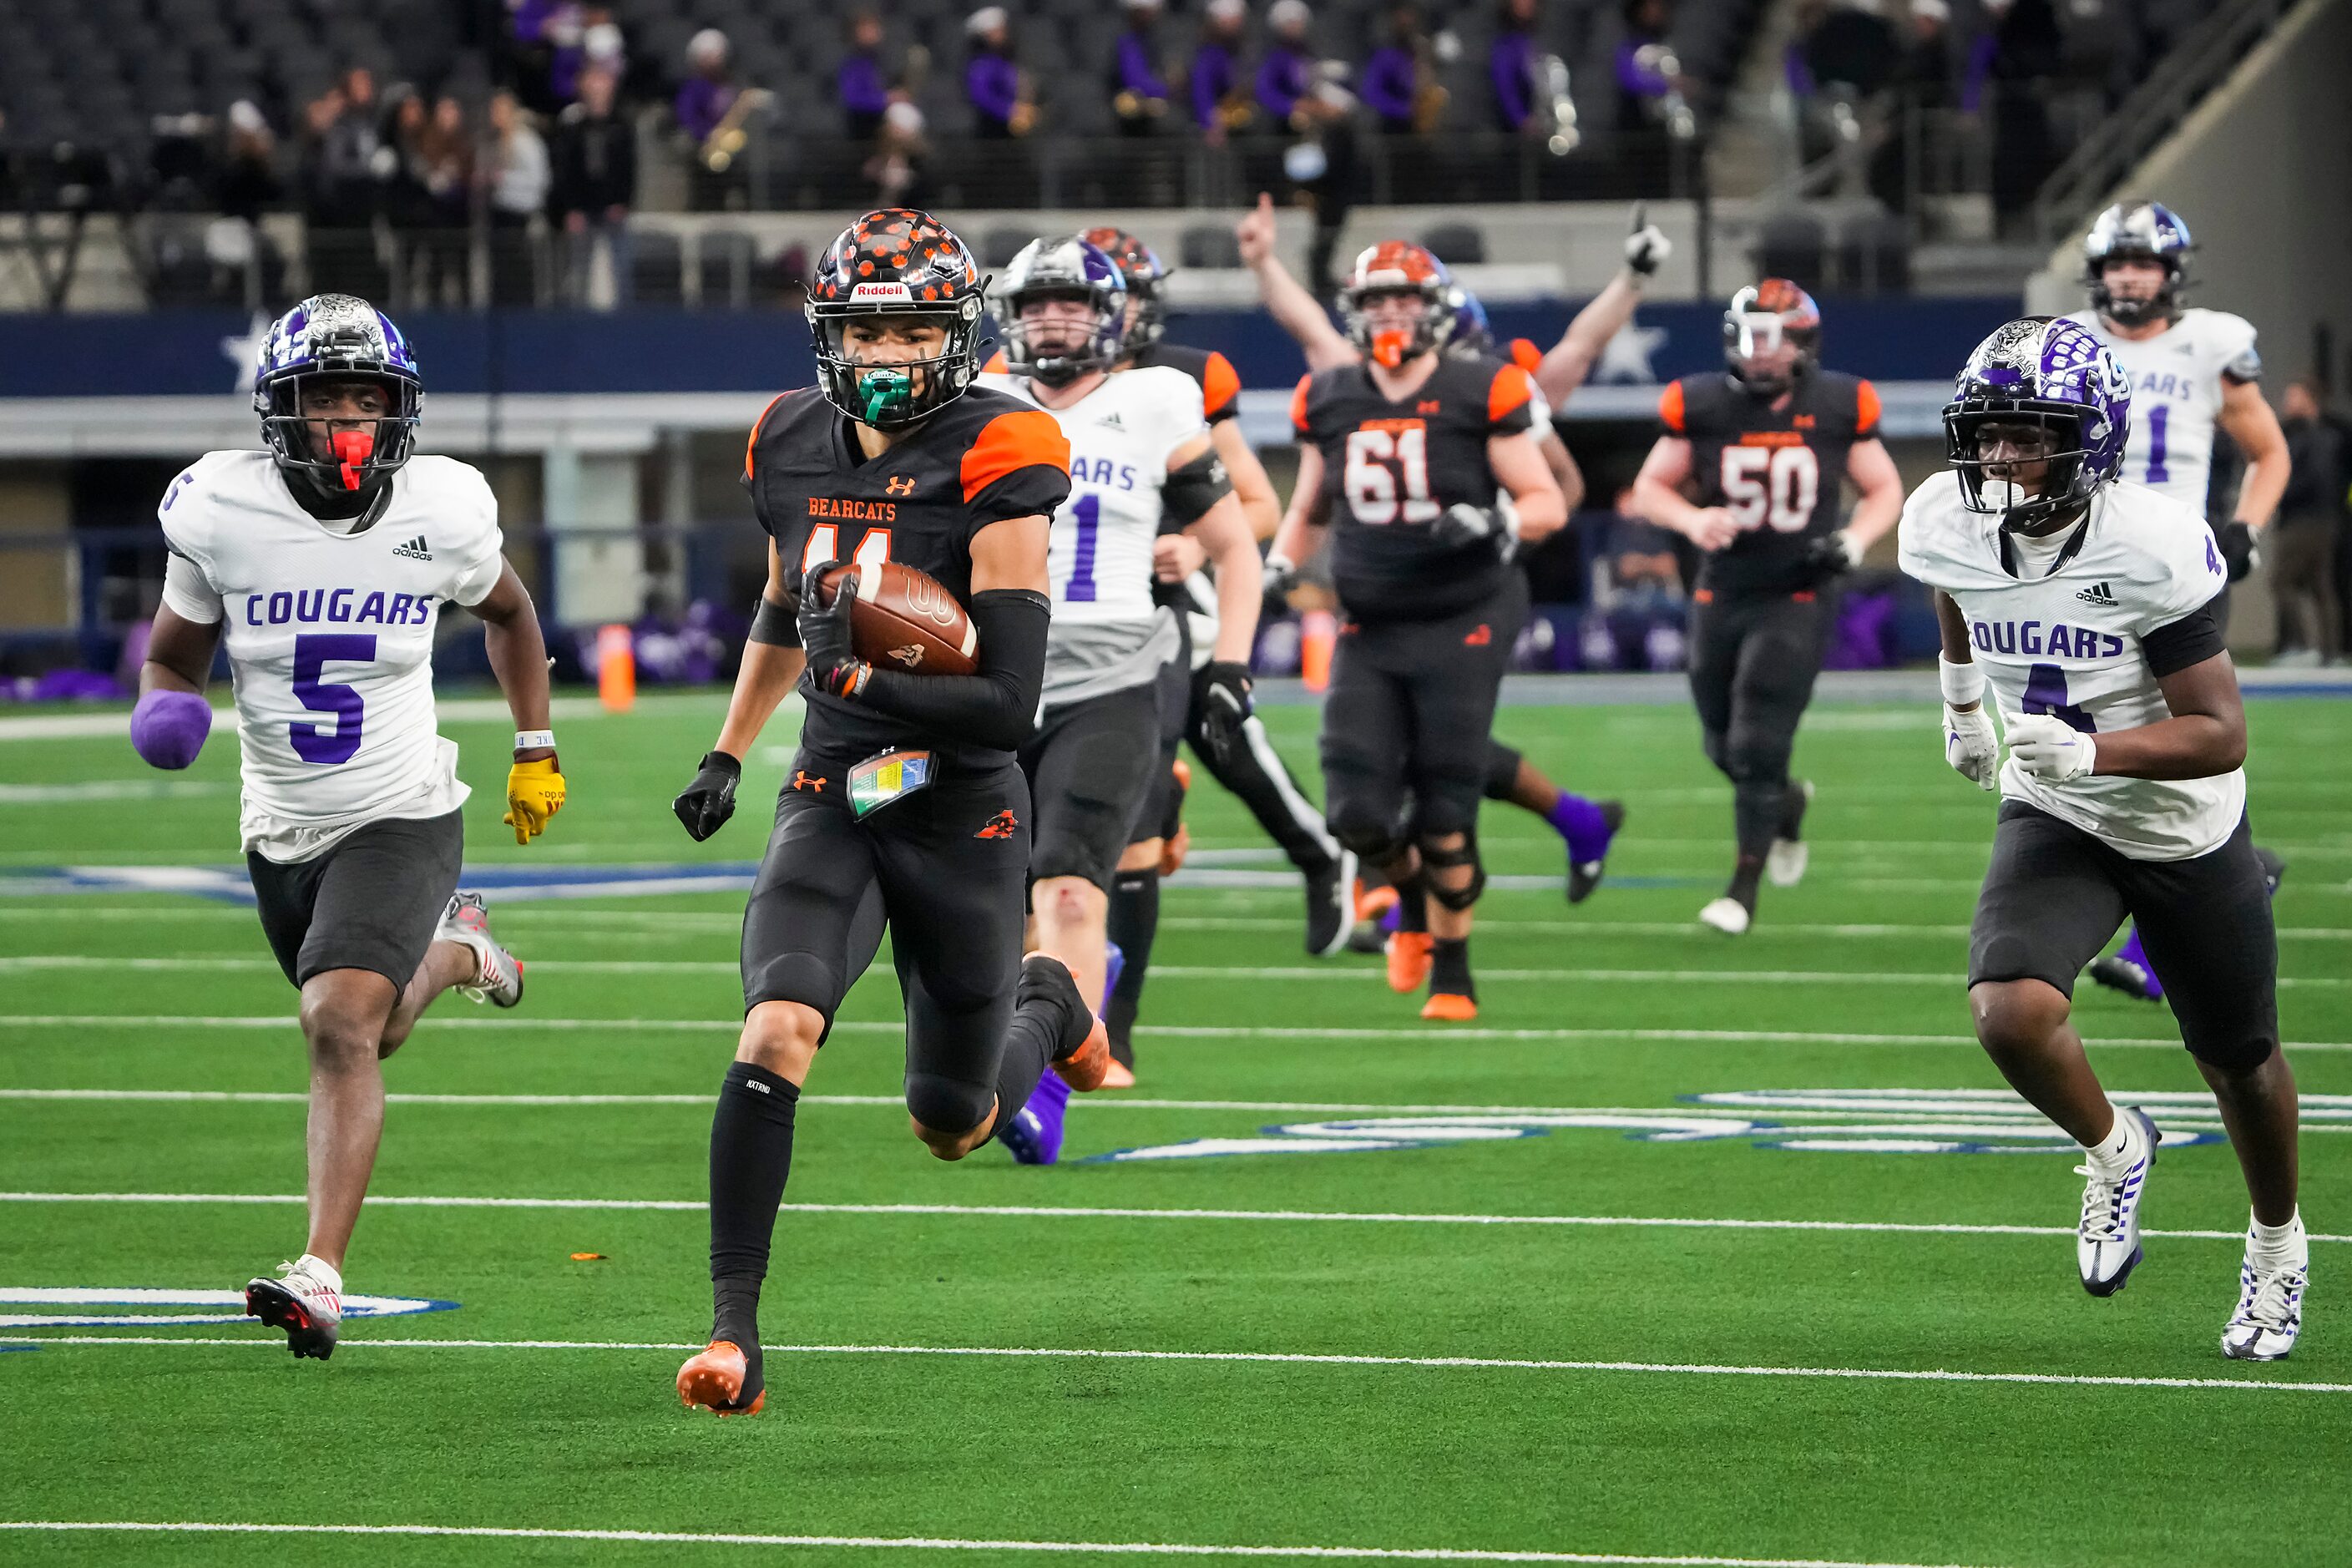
<point x="1000" y="826"/>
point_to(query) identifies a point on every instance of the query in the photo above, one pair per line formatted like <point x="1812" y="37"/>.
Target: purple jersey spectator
<point x="994" y="85"/>
<point x="1510" y="66"/>
<point x="701" y="104"/>
<point x="1637" y="76"/>
<point x="1215" y="69"/>
<point x="859" y="82"/>
<point x="530" y="18"/>
<point x="1283" y="80"/>
<point x="1979" y="70"/>
<point x="1136" y="72"/>
<point x="1388" y="86"/>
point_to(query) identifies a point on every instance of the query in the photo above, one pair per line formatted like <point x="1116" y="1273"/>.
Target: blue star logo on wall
<point x="245" y="353"/>
<point x="1626" y="356"/>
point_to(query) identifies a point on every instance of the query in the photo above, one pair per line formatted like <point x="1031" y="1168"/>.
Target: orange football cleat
<point x="1408" y="953"/>
<point x="714" y="1380"/>
<point x="1371" y="903"/>
<point x="1446" y="1007"/>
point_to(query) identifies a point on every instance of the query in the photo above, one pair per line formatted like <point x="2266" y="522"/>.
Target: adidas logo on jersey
<point x="2097" y="593"/>
<point x="1111" y="421"/>
<point x="415" y="549"/>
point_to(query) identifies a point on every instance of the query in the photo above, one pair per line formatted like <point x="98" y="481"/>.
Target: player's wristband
<point x="1963" y="684"/>
<point x="534" y="740"/>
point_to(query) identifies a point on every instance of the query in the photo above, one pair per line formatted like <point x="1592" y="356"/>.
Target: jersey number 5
<point x="1777" y="485"/>
<point x="312" y="652"/>
<point x="1381" y="464"/>
<point x="824" y="544"/>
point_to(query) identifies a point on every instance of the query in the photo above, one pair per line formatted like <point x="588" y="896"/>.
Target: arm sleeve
<point x="189" y="593"/>
<point x="1510" y="402"/>
<point x="1018" y="465"/>
<point x="996" y="706"/>
<point x="2192" y="639"/>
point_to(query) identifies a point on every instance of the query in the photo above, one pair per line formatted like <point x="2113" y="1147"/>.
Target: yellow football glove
<point x="534" y="794"/>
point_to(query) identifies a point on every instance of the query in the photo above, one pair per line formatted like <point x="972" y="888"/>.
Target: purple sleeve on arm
<point x="1508" y="64"/>
<point x="1278" y="89"/>
<point x="860" y="85"/>
<point x="1634" y="76"/>
<point x="698" y="107"/>
<point x="1135" y="70"/>
<point x="1212" y="78"/>
<point x="993" y="85"/>
<point x="168" y="727"/>
<point x="1388" y="84"/>
<point x="1981" y="55"/>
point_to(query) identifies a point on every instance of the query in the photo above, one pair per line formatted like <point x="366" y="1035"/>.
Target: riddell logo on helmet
<point x="881" y="291"/>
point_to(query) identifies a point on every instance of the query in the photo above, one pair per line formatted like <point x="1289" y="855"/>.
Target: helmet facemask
<point x="1391" y="346"/>
<point x="359" y="453"/>
<point x="887" y="392"/>
<point x="1058" y="350"/>
<point x="2135" y="309"/>
<point x="2031" y="493"/>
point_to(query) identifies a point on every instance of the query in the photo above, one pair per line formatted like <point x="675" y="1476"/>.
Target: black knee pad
<point x="1502" y="770"/>
<point x="1752" y="756"/>
<point x="1070" y="854"/>
<point x="1371" y="840"/>
<point x="2230" y="1052"/>
<point x="948" y="1104"/>
<point x="1436" y="860"/>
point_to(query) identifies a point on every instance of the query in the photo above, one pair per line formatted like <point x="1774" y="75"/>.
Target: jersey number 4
<point x="1777" y="485"/>
<point x="824" y="544"/>
<point x="1387" y="476"/>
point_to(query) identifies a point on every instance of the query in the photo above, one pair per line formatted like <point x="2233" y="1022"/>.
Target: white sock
<point x="2277" y="1246"/>
<point x="318" y="1268"/>
<point x="2123" y="1145"/>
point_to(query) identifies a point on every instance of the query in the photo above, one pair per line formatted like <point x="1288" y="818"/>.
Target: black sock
<point x="1756" y="815"/>
<point x="1134" y="921"/>
<point x="750" y="1155"/>
<point x="1412" y="903"/>
<point x="1449" y="967"/>
<point x="1029" y="1041"/>
<point x="1747" y="872"/>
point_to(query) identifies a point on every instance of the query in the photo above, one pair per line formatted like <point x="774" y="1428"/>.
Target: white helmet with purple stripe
<point x="2141" y="231"/>
<point x="2055" y="374"/>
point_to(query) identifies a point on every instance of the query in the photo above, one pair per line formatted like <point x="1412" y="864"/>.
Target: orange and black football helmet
<point x="1398" y="267"/>
<point x="1147" y="279"/>
<point x="1761" y="320"/>
<point x="896" y="261"/>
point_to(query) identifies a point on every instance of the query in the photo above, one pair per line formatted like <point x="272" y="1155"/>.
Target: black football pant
<point x="1753" y="663"/>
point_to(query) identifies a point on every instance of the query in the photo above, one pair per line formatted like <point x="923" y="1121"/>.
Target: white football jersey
<point x="2066" y="639"/>
<point x="2176" y="396"/>
<point x="1107" y="635"/>
<point x="329" y="638"/>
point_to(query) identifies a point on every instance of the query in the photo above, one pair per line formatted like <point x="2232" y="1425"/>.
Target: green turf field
<point x="1507" y="1337"/>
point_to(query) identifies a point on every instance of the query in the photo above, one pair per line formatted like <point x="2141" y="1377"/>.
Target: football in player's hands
<point x="902" y="619"/>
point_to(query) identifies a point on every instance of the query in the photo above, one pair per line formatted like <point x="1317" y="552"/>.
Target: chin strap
<point x="352" y="448"/>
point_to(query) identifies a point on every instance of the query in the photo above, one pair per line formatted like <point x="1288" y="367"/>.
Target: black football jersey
<point x="1221" y="384"/>
<point x="981" y="458"/>
<point x="1391" y="468"/>
<point x="1779" y="471"/>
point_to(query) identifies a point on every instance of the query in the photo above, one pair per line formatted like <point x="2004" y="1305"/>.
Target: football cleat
<point x="1371" y="903"/>
<point x="2106" y="1243"/>
<point x="2117" y="973"/>
<point x="1728" y="915"/>
<point x="713" y="1378"/>
<point x="2270" y="1306"/>
<point x="1083" y="1056"/>
<point x="1583" y="876"/>
<point x="1034" y="1136"/>
<point x="498" y="972"/>
<point x="1408" y="952"/>
<point x="307" y="1305"/>
<point x="1330" y="905"/>
<point x="1784" y="863"/>
<point x="1449" y="1007"/>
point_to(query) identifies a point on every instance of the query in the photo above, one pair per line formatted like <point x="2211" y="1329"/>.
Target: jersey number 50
<point x="1777" y="485"/>
<point x="1380" y="463"/>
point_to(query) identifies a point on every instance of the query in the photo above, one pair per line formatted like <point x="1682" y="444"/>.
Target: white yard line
<point x="1285" y="1358"/>
<point x="931" y="1543"/>
<point x="1161" y="1031"/>
<point x="1042" y="1211"/>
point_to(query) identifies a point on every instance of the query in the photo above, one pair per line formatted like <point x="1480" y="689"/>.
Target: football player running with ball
<point x="1765" y="444"/>
<point x="2193" y="371"/>
<point x="1141" y="460"/>
<point x="1402" y="455"/>
<point x="2083" y="605"/>
<point x="905" y="805"/>
<point x="324" y="563"/>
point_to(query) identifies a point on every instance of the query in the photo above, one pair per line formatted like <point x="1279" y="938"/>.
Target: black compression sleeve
<point x="774" y="624"/>
<point x="2192" y="639"/>
<point x="998" y="706"/>
<point x="1192" y="489"/>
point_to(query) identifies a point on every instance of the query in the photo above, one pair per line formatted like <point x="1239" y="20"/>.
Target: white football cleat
<point x="1784" y="862"/>
<point x="466" y="921"/>
<point x="2270" y="1305"/>
<point x="1728" y="915"/>
<point x="2106" y="1243"/>
<point x="306" y="1300"/>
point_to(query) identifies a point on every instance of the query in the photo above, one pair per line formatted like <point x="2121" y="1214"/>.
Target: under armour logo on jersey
<point x="1000" y="826"/>
<point x="1430" y="406"/>
<point x="2098" y="594"/>
<point x="1804" y="422"/>
<point x="415" y="549"/>
<point x="900" y="485"/>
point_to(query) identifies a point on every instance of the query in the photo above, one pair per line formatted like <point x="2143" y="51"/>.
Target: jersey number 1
<point x="1380" y="463"/>
<point x="1772" y="484"/>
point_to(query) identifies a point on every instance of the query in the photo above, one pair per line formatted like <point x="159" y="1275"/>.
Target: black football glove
<point x="2240" y="551"/>
<point x="1221" y="696"/>
<point x="1462" y="525"/>
<point x="834" y="666"/>
<point x="1277" y="580"/>
<point x="704" y="805"/>
<point x="1647" y="246"/>
<point x="1831" y="555"/>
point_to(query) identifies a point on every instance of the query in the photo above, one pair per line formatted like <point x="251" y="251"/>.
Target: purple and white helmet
<point x="337" y="337"/>
<point x="2147" y="231"/>
<point x="1065" y="268"/>
<point x="2044" y="370"/>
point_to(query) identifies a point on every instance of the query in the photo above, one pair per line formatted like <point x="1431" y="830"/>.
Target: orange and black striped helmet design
<point x="1145" y="277"/>
<point x="1398" y="267"/>
<point x="896" y="261"/>
<point x="1758" y="321"/>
